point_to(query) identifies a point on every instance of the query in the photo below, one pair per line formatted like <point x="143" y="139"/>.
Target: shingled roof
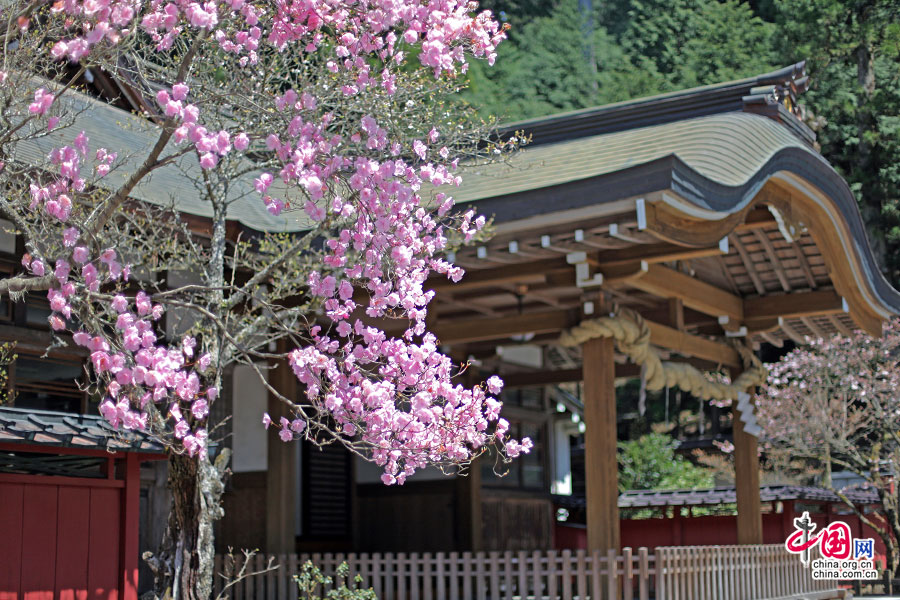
<point x="66" y="430"/>
<point x="726" y="495"/>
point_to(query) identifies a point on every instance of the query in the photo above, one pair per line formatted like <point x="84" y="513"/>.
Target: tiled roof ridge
<point x="765" y="93"/>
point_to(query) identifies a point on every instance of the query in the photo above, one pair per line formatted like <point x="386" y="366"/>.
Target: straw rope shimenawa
<point x="632" y="337"/>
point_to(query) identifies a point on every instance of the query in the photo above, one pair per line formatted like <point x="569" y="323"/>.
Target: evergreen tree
<point x="564" y="58"/>
<point x="854" y="60"/>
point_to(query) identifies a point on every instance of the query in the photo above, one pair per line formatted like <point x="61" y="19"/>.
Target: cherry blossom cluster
<point x="370" y="192"/>
<point x="828" y="375"/>
<point x="445" y="29"/>
<point x="413" y="414"/>
<point x="98" y="20"/>
<point x="388" y="245"/>
<point x="210" y="145"/>
<point x="130" y="363"/>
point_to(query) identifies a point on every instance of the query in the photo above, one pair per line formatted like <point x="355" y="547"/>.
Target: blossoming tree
<point x="339" y="110"/>
<point x="836" y="401"/>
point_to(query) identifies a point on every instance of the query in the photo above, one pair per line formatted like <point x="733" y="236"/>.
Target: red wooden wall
<point x="67" y="538"/>
<point x="709" y="530"/>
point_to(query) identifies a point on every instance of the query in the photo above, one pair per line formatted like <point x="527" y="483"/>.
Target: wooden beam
<point x="529" y="272"/>
<point x="665" y="282"/>
<point x="473" y="330"/>
<point x="692" y="345"/>
<point x="600" y="462"/>
<point x="537" y="378"/>
<point x="805" y="304"/>
<point x="625" y="273"/>
<point x="653" y="253"/>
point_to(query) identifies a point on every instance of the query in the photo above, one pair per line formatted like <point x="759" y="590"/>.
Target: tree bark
<point x="184" y="567"/>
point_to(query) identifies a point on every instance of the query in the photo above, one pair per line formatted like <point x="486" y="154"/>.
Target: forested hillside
<point x="569" y="54"/>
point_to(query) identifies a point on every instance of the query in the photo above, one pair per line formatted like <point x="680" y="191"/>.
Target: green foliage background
<point x="569" y="54"/>
<point x="650" y="463"/>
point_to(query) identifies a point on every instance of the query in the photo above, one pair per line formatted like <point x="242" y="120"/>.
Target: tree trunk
<point x="184" y="567"/>
<point x="870" y="193"/>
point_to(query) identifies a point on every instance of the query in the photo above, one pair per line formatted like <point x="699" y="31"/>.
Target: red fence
<point x="70" y="538"/>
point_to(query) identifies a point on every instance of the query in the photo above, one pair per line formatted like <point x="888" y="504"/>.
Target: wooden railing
<point x="672" y="573"/>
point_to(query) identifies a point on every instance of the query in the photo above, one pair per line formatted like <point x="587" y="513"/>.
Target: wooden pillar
<point x="131" y="508"/>
<point x="468" y="509"/>
<point x="600" y="464"/>
<point x="282" y="469"/>
<point x="746" y="480"/>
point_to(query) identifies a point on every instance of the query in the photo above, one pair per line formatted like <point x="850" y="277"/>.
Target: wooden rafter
<point x="748" y="264"/>
<point x="816" y="330"/>
<point x="720" y="261"/>
<point x="766" y="244"/>
<point x="775" y="341"/>
<point x="839" y="325"/>
<point x="792" y="333"/>
<point x="804" y="264"/>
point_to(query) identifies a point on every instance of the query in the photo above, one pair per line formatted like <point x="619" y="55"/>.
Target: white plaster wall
<point x="7" y="237"/>
<point x="179" y="320"/>
<point x="561" y="458"/>
<point x="249" y="402"/>
<point x="523" y="355"/>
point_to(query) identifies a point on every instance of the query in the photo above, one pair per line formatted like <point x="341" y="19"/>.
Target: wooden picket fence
<point x="671" y="573"/>
<point x="736" y="573"/>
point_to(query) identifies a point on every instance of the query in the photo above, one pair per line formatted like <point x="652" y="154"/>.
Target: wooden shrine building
<point x="709" y="213"/>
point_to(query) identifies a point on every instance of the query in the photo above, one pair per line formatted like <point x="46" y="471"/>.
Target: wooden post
<point x="468" y="488"/>
<point x="468" y="509"/>
<point x="746" y="480"/>
<point x="600" y="463"/>
<point x="282" y="469"/>
<point x="787" y="518"/>
<point x="131" y="501"/>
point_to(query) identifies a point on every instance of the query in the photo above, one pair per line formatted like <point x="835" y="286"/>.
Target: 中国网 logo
<point x="842" y="557"/>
